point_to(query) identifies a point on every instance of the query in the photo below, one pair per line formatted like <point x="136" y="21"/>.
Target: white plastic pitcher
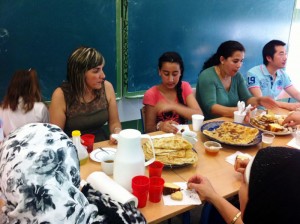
<point x="130" y="158"/>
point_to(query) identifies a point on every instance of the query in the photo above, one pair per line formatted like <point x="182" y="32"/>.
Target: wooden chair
<point x="142" y="111"/>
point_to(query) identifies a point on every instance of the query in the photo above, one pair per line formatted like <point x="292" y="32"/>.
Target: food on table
<point x="270" y="112"/>
<point x="233" y="133"/>
<point x="170" y="188"/>
<point x="173" y="190"/>
<point x="212" y="147"/>
<point x="239" y="159"/>
<point x="173" y="150"/>
<point x="276" y="127"/>
<point x="178" y="196"/>
<point x="270" y="122"/>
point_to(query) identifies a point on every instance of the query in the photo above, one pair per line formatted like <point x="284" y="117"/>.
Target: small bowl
<point x="190" y="136"/>
<point x="212" y="147"/>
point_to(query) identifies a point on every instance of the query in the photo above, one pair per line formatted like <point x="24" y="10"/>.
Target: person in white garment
<point x="22" y="103"/>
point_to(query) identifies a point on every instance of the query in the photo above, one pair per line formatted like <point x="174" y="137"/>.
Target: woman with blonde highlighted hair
<point x="86" y="101"/>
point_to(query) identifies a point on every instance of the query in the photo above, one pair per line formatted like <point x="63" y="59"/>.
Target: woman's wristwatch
<point x="158" y="125"/>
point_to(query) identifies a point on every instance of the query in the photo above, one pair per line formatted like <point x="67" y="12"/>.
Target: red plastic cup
<point x="88" y="141"/>
<point x="140" y="189"/>
<point x="155" y="169"/>
<point x="155" y="189"/>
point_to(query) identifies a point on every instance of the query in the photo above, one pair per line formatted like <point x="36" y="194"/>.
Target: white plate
<point x="98" y="155"/>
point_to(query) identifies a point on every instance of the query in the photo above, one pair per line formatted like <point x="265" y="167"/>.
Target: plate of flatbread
<point x="271" y="123"/>
<point x="172" y="151"/>
<point x="231" y="133"/>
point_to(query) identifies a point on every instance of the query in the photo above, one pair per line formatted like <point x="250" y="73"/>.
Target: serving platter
<point x="273" y="132"/>
<point x="210" y="126"/>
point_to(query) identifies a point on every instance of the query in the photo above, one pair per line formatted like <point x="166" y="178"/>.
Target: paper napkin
<point x="231" y="159"/>
<point x="293" y="144"/>
<point x="182" y="127"/>
<point x="190" y="197"/>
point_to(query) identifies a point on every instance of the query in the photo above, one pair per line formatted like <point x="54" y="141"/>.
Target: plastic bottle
<point x="81" y="150"/>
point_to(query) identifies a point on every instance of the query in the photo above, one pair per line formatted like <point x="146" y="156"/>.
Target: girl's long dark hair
<point x="226" y="49"/>
<point x="174" y="57"/>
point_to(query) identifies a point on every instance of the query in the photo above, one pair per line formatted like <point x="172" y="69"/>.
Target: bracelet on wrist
<point x="235" y="218"/>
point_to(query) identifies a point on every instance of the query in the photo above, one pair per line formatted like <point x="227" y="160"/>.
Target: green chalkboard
<point x="41" y="34"/>
<point x="195" y="28"/>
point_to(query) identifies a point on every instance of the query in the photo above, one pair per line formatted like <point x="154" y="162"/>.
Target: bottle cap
<point x="76" y="133"/>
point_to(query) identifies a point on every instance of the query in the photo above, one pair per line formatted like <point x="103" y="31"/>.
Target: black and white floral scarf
<point x="39" y="182"/>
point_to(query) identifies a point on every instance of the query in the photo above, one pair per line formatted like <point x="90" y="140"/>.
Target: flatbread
<point x="233" y="133"/>
<point x="171" y="151"/>
<point x="172" y="143"/>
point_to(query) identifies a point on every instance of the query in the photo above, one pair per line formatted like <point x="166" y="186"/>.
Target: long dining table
<point x="225" y="180"/>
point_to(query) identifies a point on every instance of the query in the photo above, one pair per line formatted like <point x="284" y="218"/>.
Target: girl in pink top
<point x="172" y="101"/>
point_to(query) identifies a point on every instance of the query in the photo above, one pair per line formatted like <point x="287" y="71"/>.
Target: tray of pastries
<point x="231" y="133"/>
<point x="271" y="123"/>
<point x="172" y="151"/>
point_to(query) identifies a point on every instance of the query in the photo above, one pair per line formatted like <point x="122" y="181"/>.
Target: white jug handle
<point x="153" y="158"/>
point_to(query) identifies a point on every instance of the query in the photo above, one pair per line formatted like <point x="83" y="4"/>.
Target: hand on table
<point x="112" y="140"/>
<point x="268" y="102"/>
<point x="203" y="187"/>
<point x="168" y="126"/>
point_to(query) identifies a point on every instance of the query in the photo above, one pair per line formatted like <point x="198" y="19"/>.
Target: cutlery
<point x="103" y="150"/>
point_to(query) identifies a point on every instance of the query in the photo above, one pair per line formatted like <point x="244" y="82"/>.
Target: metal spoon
<point x="103" y="150"/>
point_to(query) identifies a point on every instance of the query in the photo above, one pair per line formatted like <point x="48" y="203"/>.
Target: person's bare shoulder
<point x="58" y="93"/>
<point x="108" y="85"/>
<point x="58" y="98"/>
<point x="109" y="89"/>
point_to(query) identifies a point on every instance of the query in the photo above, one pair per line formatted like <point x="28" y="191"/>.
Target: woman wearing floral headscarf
<point x="39" y="181"/>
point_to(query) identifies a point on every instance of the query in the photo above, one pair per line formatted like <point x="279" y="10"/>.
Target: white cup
<point x="107" y="164"/>
<point x="190" y="136"/>
<point x="239" y="118"/>
<point x="197" y="120"/>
